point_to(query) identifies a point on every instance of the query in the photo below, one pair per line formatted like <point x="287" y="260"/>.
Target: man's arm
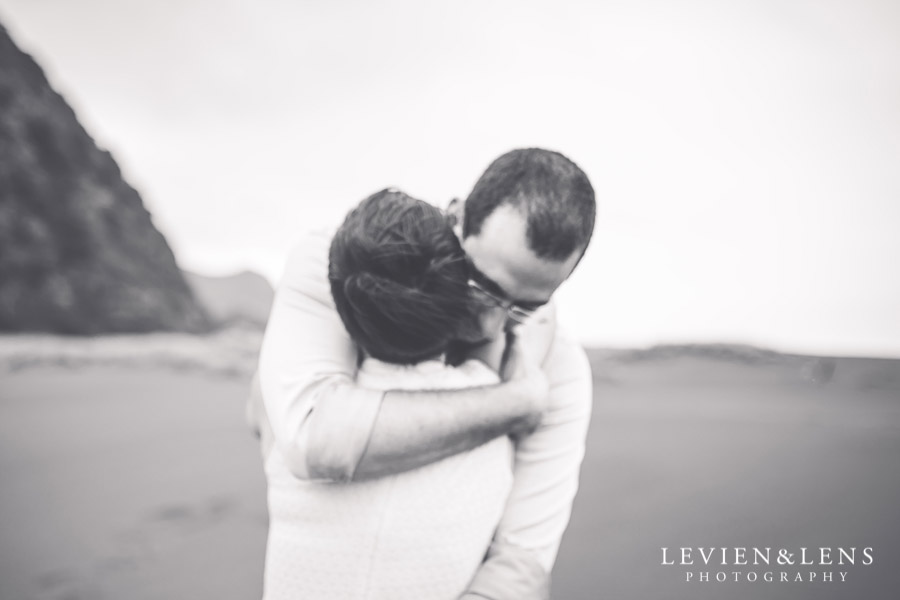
<point x="421" y="427"/>
<point x="547" y="466"/>
<point x="328" y="428"/>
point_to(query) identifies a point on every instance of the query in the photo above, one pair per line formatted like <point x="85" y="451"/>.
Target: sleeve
<point x="321" y="421"/>
<point x="546" y="470"/>
<point x="509" y="573"/>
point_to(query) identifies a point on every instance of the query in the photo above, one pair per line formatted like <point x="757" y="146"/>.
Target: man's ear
<point x="455" y="215"/>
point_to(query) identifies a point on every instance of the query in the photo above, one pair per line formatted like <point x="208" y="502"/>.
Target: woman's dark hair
<point x="399" y="279"/>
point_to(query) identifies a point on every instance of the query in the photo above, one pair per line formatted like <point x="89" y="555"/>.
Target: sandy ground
<point x="124" y="480"/>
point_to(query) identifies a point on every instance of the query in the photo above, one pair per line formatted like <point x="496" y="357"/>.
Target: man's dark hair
<point x="399" y="279"/>
<point x="552" y="192"/>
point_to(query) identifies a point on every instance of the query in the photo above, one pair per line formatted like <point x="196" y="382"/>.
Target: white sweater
<point x="417" y="535"/>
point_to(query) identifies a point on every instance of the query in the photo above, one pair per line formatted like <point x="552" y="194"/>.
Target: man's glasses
<point x="514" y="311"/>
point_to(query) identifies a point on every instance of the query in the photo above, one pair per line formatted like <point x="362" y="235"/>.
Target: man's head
<point x="399" y="279"/>
<point x="524" y="227"/>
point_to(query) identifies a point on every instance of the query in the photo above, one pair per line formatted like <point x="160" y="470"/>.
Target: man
<point x="524" y="228"/>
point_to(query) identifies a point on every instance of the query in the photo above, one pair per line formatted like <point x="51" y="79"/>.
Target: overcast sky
<point x="746" y="155"/>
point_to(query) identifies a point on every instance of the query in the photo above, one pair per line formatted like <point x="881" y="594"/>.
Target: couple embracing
<point x="422" y="419"/>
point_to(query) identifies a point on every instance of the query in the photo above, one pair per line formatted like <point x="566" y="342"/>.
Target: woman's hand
<point x="537" y="333"/>
<point x="521" y="371"/>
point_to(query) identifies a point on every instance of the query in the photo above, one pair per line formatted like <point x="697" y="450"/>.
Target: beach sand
<point x="138" y="481"/>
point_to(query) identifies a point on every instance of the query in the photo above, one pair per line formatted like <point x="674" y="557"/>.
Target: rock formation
<point x="79" y="253"/>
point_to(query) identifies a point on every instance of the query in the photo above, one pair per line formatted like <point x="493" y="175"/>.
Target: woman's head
<point x="399" y="279"/>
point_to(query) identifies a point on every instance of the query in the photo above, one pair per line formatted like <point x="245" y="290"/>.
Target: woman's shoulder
<point x="429" y="374"/>
<point x="477" y="373"/>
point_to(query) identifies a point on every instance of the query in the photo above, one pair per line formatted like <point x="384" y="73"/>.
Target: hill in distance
<point x="243" y="298"/>
<point x="735" y="364"/>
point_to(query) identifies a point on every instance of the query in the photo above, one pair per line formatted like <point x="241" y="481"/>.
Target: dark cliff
<point x="79" y="253"/>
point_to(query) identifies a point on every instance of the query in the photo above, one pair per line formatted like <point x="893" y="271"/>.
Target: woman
<point x="400" y="283"/>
